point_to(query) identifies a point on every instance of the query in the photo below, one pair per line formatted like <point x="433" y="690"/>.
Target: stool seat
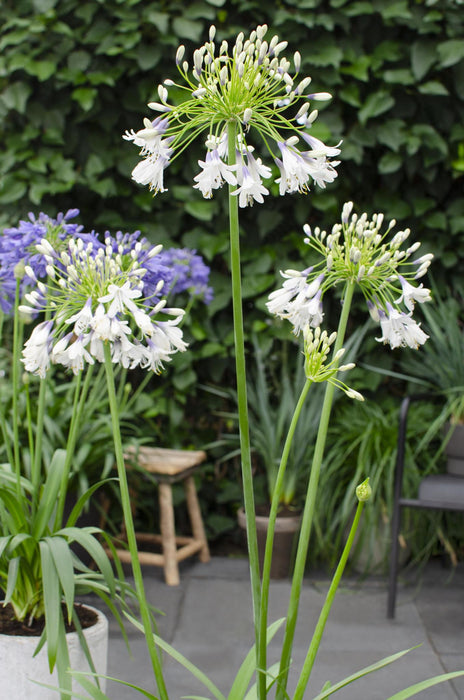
<point x="164" y="462"/>
<point x="168" y="467"/>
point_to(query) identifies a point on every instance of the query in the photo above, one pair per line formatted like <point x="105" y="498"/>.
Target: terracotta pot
<point x="454" y="449"/>
<point x="287" y="525"/>
<point x="19" y="668"/>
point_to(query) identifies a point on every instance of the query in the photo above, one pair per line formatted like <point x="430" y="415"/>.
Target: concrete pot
<point x="282" y="554"/>
<point x="19" y="668"/>
<point x="454" y="449"/>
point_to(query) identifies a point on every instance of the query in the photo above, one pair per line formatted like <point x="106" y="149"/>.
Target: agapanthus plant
<point x="234" y="99"/>
<point x="101" y="301"/>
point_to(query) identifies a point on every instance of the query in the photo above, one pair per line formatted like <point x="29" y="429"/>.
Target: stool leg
<point x="168" y="535"/>
<point x="196" y="520"/>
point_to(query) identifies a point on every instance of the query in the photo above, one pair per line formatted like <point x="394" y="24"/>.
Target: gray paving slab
<point x="208" y="618"/>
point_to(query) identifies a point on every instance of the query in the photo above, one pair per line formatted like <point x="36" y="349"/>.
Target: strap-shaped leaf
<point x="13" y="571"/>
<point x="77" y="509"/>
<point x="245" y="673"/>
<point x="363" y="672"/>
<point x="423" y="685"/>
<point x="62" y="557"/>
<point x="85" y="537"/>
<point x="4" y="542"/>
<point x="52" y="601"/>
<point x="181" y="659"/>
<point x="49" y="494"/>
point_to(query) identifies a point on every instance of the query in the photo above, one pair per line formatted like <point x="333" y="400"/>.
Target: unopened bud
<point x="364" y="491"/>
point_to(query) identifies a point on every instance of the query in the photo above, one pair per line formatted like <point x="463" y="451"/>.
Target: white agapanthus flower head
<point x="357" y="250"/>
<point x="252" y="86"/>
<point x="95" y="300"/>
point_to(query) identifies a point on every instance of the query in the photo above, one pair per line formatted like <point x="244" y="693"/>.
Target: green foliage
<point x="363" y="443"/>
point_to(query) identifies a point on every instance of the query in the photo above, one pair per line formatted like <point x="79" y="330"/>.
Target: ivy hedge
<point x="74" y="74"/>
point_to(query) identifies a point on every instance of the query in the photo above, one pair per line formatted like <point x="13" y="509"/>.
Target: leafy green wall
<point x="74" y="74"/>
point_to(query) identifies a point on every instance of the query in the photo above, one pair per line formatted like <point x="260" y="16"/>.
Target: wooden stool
<point x="169" y="467"/>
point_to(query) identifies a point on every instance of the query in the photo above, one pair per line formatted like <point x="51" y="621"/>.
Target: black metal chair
<point x="437" y="491"/>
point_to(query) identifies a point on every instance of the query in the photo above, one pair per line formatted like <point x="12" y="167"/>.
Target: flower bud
<point x="20" y="270"/>
<point x="364" y="491"/>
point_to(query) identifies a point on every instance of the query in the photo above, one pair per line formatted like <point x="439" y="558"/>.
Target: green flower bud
<point x="364" y="491"/>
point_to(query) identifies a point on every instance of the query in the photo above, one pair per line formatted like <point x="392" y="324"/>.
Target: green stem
<point x="79" y="404"/>
<point x="308" y="512"/>
<point x="15" y="381"/>
<point x="278" y="489"/>
<point x="318" y="632"/>
<point x="247" y="475"/>
<point x="130" y="529"/>
<point x="36" y="467"/>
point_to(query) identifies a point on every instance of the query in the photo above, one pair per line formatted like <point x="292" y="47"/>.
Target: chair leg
<point x="394" y="554"/>
<point x="195" y="517"/>
<point x="168" y="535"/>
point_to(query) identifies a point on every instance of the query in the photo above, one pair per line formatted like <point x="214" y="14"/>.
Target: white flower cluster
<point x="253" y="88"/>
<point x="357" y="251"/>
<point x="93" y="299"/>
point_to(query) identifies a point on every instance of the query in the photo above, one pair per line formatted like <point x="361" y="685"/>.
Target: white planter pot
<point x="19" y="668"/>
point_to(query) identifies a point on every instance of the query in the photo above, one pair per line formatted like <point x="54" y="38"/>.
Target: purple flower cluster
<point x="18" y="245"/>
<point x="190" y="274"/>
<point x="179" y="269"/>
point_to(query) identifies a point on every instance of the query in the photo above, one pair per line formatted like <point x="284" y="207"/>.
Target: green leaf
<point x="159" y="19"/>
<point x="376" y="103"/>
<point x="390" y="163"/>
<point x="79" y="61"/>
<point x="327" y="55"/>
<point x="52" y="601"/>
<point x="86" y="538"/>
<point x="12" y="577"/>
<point x="363" y="672"/>
<point x="11" y="189"/>
<point x="49" y="494"/>
<point x="433" y="87"/>
<point x="391" y="133"/>
<point x="423" y="56"/>
<point x="216" y="3"/>
<point x="177" y="656"/>
<point x="450" y="52"/>
<point x="202" y="210"/>
<point x="395" y="10"/>
<point x="187" y="28"/>
<point x="85" y="96"/>
<point x="247" y="669"/>
<point x="400" y="76"/>
<point x="15" y="96"/>
<point x="359" y="69"/>
<point x="419" y="687"/>
<point x="62" y="557"/>
<point x="43" y="70"/>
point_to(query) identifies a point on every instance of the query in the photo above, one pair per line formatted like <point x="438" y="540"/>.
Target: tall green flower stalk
<point x="130" y="529"/>
<point x="245" y="450"/>
<point x="309" y="507"/>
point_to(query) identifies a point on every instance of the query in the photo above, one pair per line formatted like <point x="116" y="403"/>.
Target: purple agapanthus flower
<point x="173" y="271"/>
<point x="190" y="273"/>
<point x="18" y="244"/>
